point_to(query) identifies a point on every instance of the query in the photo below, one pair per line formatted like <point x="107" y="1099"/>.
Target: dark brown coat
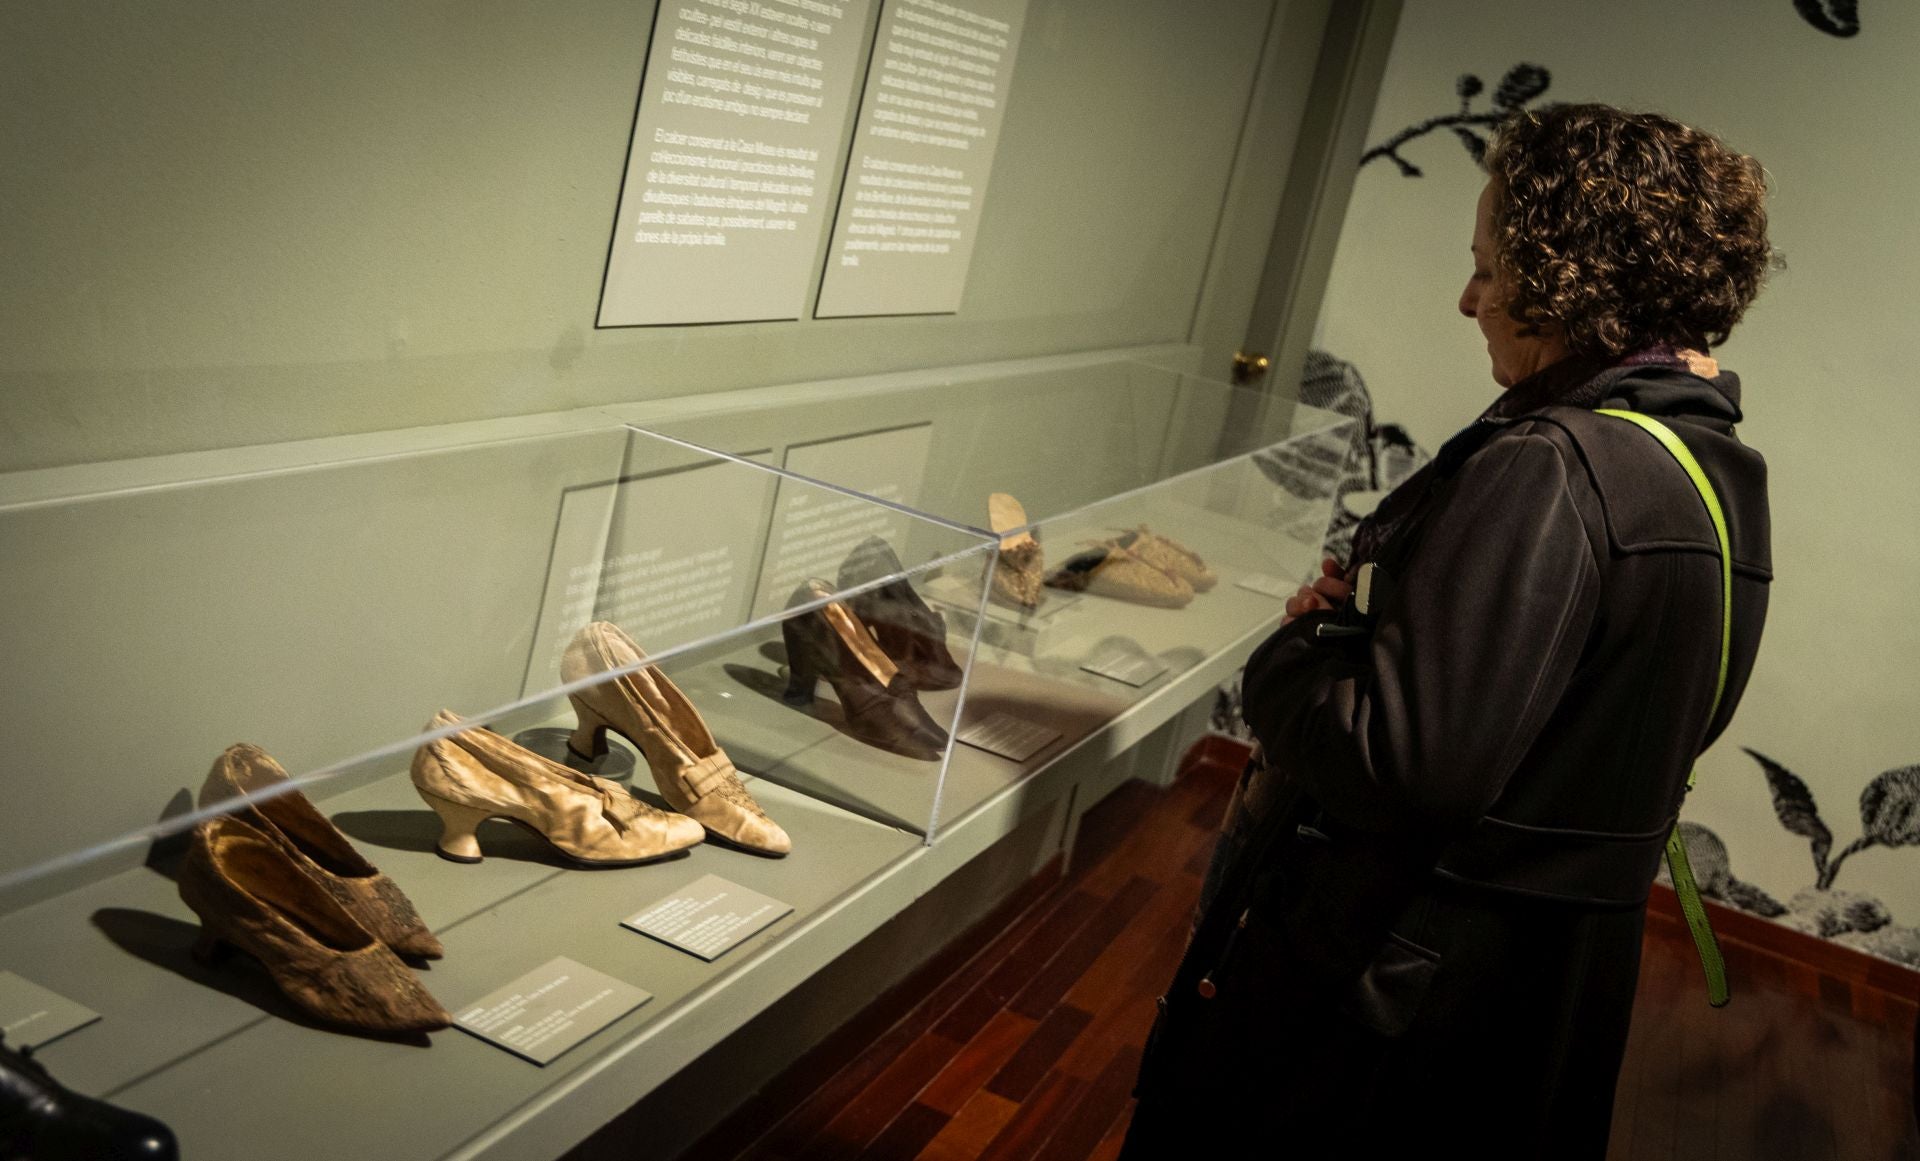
<point x="1425" y="926"/>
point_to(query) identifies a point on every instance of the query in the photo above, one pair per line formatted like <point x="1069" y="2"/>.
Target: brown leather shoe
<point x="876" y="698"/>
<point x="477" y="774"/>
<point x="646" y="708"/>
<point x="1021" y="566"/>
<point x="251" y="896"/>
<point x="316" y="847"/>
<point x="912" y="634"/>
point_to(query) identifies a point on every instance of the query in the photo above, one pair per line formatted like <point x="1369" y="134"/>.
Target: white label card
<point x="30" y="1015"/>
<point x="1010" y="737"/>
<point x="708" y="918"/>
<point x="1126" y="666"/>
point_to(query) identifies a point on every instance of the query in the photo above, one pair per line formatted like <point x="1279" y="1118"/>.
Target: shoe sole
<point x="584" y="864"/>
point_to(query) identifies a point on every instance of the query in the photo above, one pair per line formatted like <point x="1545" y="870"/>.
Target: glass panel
<point x="326" y="612"/>
<point x="659" y="661"/>
<point x="1152" y="522"/>
<point x="591" y="631"/>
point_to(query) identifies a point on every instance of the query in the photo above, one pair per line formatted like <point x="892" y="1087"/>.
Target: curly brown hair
<point x="1630" y="230"/>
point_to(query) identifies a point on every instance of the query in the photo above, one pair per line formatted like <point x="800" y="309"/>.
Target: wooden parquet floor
<point x="1024" y="1043"/>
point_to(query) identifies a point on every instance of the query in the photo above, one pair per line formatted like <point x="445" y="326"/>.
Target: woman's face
<point x="1514" y="353"/>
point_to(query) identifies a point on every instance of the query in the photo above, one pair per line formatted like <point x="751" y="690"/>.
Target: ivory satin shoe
<point x="251" y="896"/>
<point x="1169" y="556"/>
<point x="1021" y="565"/>
<point x="477" y="774"/>
<point x="646" y="708"/>
<point x="317" y="847"/>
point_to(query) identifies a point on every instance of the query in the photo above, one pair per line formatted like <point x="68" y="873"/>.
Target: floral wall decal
<point x="1833" y="17"/>
<point x="1889" y="813"/>
<point x="1523" y="83"/>
<point x="1889" y="818"/>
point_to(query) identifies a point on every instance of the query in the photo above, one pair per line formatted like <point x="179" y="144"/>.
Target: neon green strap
<point x="1711" y="961"/>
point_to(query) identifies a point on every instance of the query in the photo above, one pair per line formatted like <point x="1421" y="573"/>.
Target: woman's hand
<point x="1330" y="591"/>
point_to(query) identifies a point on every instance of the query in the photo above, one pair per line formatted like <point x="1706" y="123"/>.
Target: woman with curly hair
<point x="1422" y="926"/>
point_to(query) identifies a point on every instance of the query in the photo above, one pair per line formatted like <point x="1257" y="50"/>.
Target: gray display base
<point x="31" y="1015"/>
<point x="549" y="1009"/>
<point x="181" y="1033"/>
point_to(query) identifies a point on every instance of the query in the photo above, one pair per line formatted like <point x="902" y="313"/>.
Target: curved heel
<point x="209" y="949"/>
<point x="589" y="739"/>
<point x="803" y="669"/>
<point x="457" y="842"/>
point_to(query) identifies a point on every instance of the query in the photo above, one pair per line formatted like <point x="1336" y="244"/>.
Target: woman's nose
<point x="1469" y="301"/>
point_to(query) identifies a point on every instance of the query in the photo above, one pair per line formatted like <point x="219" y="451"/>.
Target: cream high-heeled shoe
<point x="1021" y="565"/>
<point x="646" y="708"/>
<point x="251" y="896"/>
<point x="317" y="847"/>
<point x="476" y="774"/>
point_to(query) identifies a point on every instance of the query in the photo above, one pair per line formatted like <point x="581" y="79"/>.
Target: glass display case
<point x="638" y="726"/>
<point x="691" y="680"/>
<point x="1151" y="525"/>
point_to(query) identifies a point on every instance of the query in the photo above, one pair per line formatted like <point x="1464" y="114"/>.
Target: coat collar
<point x="1652" y="387"/>
<point x="1645" y="382"/>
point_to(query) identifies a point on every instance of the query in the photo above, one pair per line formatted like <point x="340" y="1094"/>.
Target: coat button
<point x="1207" y="990"/>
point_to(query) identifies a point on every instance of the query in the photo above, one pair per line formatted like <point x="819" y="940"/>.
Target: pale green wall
<point x="236" y="223"/>
<point x="1825" y="357"/>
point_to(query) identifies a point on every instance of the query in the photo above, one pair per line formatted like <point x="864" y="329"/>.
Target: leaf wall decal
<point x="1890" y="808"/>
<point x="1522" y="83"/>
<point x="1794" y="805"/>
<point x="1748" y="897"/>
<point x="1833" y="17"/>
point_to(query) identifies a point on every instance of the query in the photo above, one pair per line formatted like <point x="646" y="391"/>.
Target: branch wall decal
<point x="1833" y="17"/>
<point x="1523" y="83"/>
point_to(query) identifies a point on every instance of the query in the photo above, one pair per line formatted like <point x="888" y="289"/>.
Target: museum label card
<point x="1008" y="736"/>
<point x="550" y="1009"/>
<point x="734" y="158"/>
<point x="916" y="184"/>
<point x="709" y="917"/>
<point x="1126" y="667"/>
<point x="1270" y="586"/>
<point x="30" y="1015"/>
